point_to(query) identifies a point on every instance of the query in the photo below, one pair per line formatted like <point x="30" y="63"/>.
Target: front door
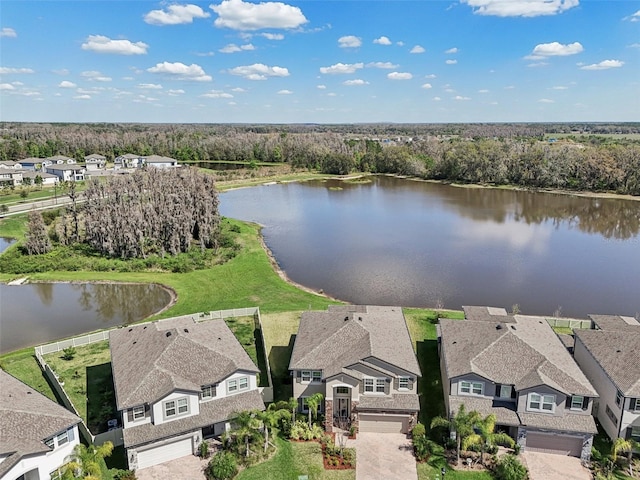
<point x="343" y="407"/>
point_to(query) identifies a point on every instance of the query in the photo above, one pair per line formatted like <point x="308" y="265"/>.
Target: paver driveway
<point x="184" y="468"/>
<point x="387" y="456"/>
<point x="546" y="466"/>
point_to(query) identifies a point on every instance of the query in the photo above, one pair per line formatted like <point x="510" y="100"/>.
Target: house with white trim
<point x="37" y="435"/>
<point x="66" y="172"/>
<point x="361" y="358"/>
<point x="178" y="382"/>
<point x="158" y="161"/>
<point x="95" y="161"/>
<point x="516" y="367"/>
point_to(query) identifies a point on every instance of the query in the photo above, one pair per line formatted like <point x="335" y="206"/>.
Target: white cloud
<point x="205" y="54"/>
<point x="95" y="76"/>
<point x="451" y="62"/>
<point x="285" y="92"/>
<point x="67" y="84"/>
<point x="259" y="71"/>
<point x="603" y="65"/>
<point x="399" y="76"/>
<point x="417" y="49"/>
<point x="354" y="83"/>
<point x="382" y="41"/>
<point x="175" y="15"/>
<point x="452" y="50"/>
<point x="520" y="8"/>
<point x="431" y="75"/>
<point x="349" y="41"/>
<point x="181" y="71"/>
<point x="554" y="49"/>
<point x="545" y="100"/>
<point x="6" y="86"/>
<point x="340" y="68"/>
<point x="426" y="86"/>
<point x="332" y="94"/>
<point x="461" y="98"/>
<point x="232" y="48"/>
<point x="17" y="84"/>
<point x="400" y="44"/>
<point x="634" y="45"/>
<point x="61" y="71"/>
<point x="538" y="64"/>
<point x="559" y="87"/>
<point x="436" y="99"/>
<point x="83" y="97"/>
<point x="238" y="89"/>
<point x="384" y="65"/>
<point x="8" y="32"/>
<point x="150" y="86"/>
<point x="635" y="17"/>
<point x="216" y="94"/>
<point x="175" y="93"/>
<point x="9" y="70"/>
<point x="239" y="15"/>
<point x="321" y="87"/>
<point x="102" y="44"/>
<point x="484" y="90"/>
<point x="272" y="36"/>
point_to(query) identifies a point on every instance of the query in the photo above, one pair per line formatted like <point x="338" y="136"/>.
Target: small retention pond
<point x="5" y="242"/>
<point x="37" y="313"/>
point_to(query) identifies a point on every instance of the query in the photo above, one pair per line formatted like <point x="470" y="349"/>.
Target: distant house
<point x="10" y="177"/>
<point x="47" y="178"/>
<point x="176" y="383"/>
<point x="610" y="358"/>
<point x="129" y="160"/>
<point x="158" y="161"/>
<point x="36" y="434"/>
<point x="361" y="359"/>
<point x="32" y="163"/>
<point x="59" y="160"/>
<point x="10" y="164"/>
<point x="66" y="173"/>
<point x="516" y="367"/>
<point x="95" y="161"/>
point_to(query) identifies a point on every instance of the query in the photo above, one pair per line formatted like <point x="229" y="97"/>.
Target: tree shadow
<point x="279" y="360"/>
<point x="261" y="355"/>
<point x="430" y="384"/>
<point x="101" y="397"/>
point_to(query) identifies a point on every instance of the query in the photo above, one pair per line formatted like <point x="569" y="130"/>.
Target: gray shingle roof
<point x="568" y="422"/>
<point x="211" y="412"/>
<point x="151" y="360"/>
<point x="615" y="322"/>
<point x="27" y="418"/>
<point x="505" y="412"/>
<point x="525" y="353"/>
<point x="398" y="401"/>
<point x="486" y="314"/>
<point x="618" y="353"/>
<point x="346" y="334"/>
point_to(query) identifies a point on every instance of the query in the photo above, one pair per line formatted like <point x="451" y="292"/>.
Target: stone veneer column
<point x="354" y="415"/>
<point x="328" y="416"/>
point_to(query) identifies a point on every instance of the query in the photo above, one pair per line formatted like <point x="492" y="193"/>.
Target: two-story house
<point x="37" y="435"/>
<point x="95" y="161"/>
<point x="176" y="383"/>
<point x="66" y="172"/>
<point x="129" y="160"/>
<point x="516" y="367"/>
<point x="362" y="360"/>
<point x="158" y="161"/>
<point x="610" y="358"/>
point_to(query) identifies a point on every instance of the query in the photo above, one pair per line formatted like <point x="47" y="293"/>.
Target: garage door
<point x="383" y="423"/>
<point x="558" y="444"/>
<point x="164" y="453"/>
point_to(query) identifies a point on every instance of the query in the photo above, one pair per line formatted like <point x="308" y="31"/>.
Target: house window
<point x="176" y="407"/>
<point x="577" y="402"/>
<point x="237" y="384"/>
<point x="208" y="392"/>
<point x="505" y="391"/>
<point x="306" y="376"/>
<point x="619" y="398"/>
<point x="138" y="413"/>
<point x="316" y="376"/>
<point x="541" y="403"/>
<point x="375" y="385"/>
<point x="49" y="443"/>
<point x="368" y="385"/>
<point x="380" y="385"/>
<point x="304" y="406"/>
<point x="232" y="386"/>
<point x="311" y="376"/>
<point x="472" y="388"/>
<point x="403" y="383"/>
<point x="342" y="390"/>
<point x="62" y="438"/>
<point x="243" y="383"/>
<point x="635" y="433"/>
<point x="634" y="405"/>
<point x="611" y="415"/>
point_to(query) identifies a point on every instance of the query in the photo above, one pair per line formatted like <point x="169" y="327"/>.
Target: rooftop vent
<point x="144" y="328"/>
<point x="513" y="327"/>
<point x="168" y="334"/>
<point x="499" y="326"/>
<point x="134" y="342"/>
<point x="131" y="329"/>
<point x="346" y="318"/>
<point x="186" y="330"/>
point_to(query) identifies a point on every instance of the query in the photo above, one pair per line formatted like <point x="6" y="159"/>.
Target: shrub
<point x="510" y="468"/>
<point x="222" y="466"/>
<point x="203" y="450"/>
<point x="418" y="430"/>
<point x="68" y="353"/>
<point x="124" y="475"/>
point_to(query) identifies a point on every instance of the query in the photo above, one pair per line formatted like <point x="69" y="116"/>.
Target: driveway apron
<point x="184" y="468"/>
<point x="546" y="466"/>
<point x="387" y="456"/>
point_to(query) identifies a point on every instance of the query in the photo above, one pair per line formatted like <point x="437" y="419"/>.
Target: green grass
<point x="563" y="330"/>
<point x="427" y="472"/>
<point x="13" y="226"/>
<point x="88" y="382"/>
<point x="22" y="364"/>
<point x="249" y="337"/>
<point x="293" y="459"/>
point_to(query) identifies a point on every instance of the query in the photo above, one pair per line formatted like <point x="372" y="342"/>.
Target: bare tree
<point x="37" y="239"/>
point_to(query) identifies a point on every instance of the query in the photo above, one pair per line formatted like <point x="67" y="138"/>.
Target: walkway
<point x="184" y="468"/>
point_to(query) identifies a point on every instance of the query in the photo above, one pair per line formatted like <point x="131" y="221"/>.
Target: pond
<point x="393" y="241"/>
<point x="5" y="243"/>
<point x="37" y="313"/>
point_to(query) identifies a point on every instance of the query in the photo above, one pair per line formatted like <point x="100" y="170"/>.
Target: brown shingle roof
<point x="397" y="401"/>
<point x="618" y="353"/>
<point x="346" y="334"/>
<point x="27" y="418"/>
<point x="568" y="422"/>
<point x="614" y="322"/>
<point x="151" y="360"/>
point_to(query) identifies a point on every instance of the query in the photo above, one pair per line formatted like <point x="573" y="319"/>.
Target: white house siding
<point x="221" y="388"/>
<point x="629" y="417"/>
<point x="39" y="467"/>
<point x="163" y="451"/>
<point x="489" y="388"/>
<point x="134" y="423"/>
<point x="158" y="407"/>
<point x="603" y="385"/>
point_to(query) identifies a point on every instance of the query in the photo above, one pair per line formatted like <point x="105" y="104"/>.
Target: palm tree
<point x="462" y="424"/>
<point x="85" y="462"/>
<point x="246" y="426"/>
<point x="620" y="445"/>
<point x="293" y="405"/>
<point x="484" y="435"/>
<point x="313" y="402"/>
<point x="270" y="419"/>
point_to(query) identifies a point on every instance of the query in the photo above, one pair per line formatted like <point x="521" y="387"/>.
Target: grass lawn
<point x="427" y="472"/>
<point x="249" y="337"/>
<point x="293" y="459"/>
<point x="88" y="382"/>
<point x="23" y="365"/>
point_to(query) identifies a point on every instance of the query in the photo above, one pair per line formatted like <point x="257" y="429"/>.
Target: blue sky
<point x="322" y="61"/>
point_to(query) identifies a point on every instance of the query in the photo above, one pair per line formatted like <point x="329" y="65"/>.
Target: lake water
<point x="36" y="313"/>
<point x="4" y="243"/>
<point x="401" y="242"/>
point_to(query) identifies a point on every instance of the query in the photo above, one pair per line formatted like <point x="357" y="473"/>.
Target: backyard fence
<point x="570" y="323"/>
<point x="73" y="342"/>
